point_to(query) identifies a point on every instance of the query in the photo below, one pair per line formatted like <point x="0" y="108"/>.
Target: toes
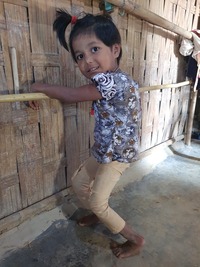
<point x="117" y="252"/>
<point x="125" y="250"/>
<point x="116" y="249"/>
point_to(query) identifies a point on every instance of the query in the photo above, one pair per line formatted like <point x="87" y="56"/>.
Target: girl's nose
<point x="88" y="58"/>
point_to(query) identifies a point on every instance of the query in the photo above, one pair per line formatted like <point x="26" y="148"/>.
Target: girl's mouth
<point x="91" y="70"/>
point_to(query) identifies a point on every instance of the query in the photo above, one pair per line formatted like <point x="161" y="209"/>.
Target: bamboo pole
<point x="22" y="97"/>
<point x="15" y="73"/>
<point x="163" y="86"/>
<point x="191" y="117"/>
<point x="39" y="96"/>
<point x="132" y="8"/>
<point x="192" y="105"/>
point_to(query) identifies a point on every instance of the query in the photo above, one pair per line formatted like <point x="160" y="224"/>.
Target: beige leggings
<point x="93" y="183"/>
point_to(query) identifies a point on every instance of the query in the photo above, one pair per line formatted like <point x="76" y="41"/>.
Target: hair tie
<point x="73" y="20"/>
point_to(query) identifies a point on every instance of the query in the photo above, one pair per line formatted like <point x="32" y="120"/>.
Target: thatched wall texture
<point x="39" y="150"/>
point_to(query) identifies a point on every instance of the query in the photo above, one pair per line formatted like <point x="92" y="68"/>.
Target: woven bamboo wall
<point x="39" y="151"/>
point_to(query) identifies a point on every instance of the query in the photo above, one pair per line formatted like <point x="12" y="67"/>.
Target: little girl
<point x="95" y="45"/>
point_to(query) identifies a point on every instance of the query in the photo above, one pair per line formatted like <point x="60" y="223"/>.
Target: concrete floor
<point x="159" y="196"/>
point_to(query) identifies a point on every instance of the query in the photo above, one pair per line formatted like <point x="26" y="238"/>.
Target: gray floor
<point x="162" y="205"/>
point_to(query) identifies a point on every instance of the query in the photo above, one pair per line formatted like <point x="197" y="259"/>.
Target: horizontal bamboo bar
<point x="163" y="86"/>
<point x="22" y="97"/>
<point x="40" y="96"/>
<point x="135" y="9"/>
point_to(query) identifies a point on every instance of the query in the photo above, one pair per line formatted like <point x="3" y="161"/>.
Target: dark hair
<point x="101" y="25"/>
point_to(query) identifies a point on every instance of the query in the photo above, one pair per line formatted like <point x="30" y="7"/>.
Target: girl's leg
<point x="106" y="178"/>
<point x="82" y="181"/>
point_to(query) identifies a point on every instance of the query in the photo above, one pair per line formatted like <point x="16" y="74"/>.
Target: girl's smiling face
<point x="93" y="56"/>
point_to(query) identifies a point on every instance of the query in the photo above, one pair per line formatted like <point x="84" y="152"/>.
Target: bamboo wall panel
<point x="47" y="69"/>
<point x="40" y="150"/>
<point x="164" y="115"/>
<point x="18" y="37"/>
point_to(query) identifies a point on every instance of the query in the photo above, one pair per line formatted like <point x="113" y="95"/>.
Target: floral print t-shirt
<point x="117" y="118"/>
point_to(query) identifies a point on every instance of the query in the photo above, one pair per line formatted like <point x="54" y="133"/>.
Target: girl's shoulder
<point x="121" y="75"/>
<point x="111" y="84"/>
<point x="115" y="77"/>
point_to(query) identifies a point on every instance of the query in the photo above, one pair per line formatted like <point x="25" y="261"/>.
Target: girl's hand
<point x="33" y="104"/>
<point x="35" y="88"/>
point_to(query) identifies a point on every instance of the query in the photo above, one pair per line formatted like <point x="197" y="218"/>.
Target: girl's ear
<point x="116" y="50"/>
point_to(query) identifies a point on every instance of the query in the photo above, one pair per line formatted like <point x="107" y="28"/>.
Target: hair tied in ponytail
<point x="73" y="20"/>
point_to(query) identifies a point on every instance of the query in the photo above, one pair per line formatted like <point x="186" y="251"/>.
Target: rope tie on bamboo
<point x="73" y="20"/>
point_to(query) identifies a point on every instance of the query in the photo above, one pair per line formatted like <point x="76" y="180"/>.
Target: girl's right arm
<point x="67" y="94"/>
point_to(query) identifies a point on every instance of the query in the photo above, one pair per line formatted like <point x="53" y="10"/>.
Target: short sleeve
<point x="106" y="85"/>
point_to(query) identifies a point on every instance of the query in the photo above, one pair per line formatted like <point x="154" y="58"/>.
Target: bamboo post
<point x="191" y="117"/>
<point x="132" y="8"/>
<point x="192" y="106"/>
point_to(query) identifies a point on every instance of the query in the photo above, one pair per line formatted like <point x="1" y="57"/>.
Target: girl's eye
<point x="79" y="57"/>
<point x="95" y="49"/>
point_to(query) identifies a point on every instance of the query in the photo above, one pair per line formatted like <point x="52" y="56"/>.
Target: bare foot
<point x="127" y="249"/>
<point x="88" y="220"/>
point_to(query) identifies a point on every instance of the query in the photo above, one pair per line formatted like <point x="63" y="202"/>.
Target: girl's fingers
<point x="33" y="104"/>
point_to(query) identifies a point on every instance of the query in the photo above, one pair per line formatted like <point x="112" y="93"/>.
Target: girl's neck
<point x="116" y="69"/>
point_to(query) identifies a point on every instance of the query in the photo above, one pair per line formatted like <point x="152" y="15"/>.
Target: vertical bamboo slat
<point x="6" y="70"/>
<point x="9" y="181"/>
